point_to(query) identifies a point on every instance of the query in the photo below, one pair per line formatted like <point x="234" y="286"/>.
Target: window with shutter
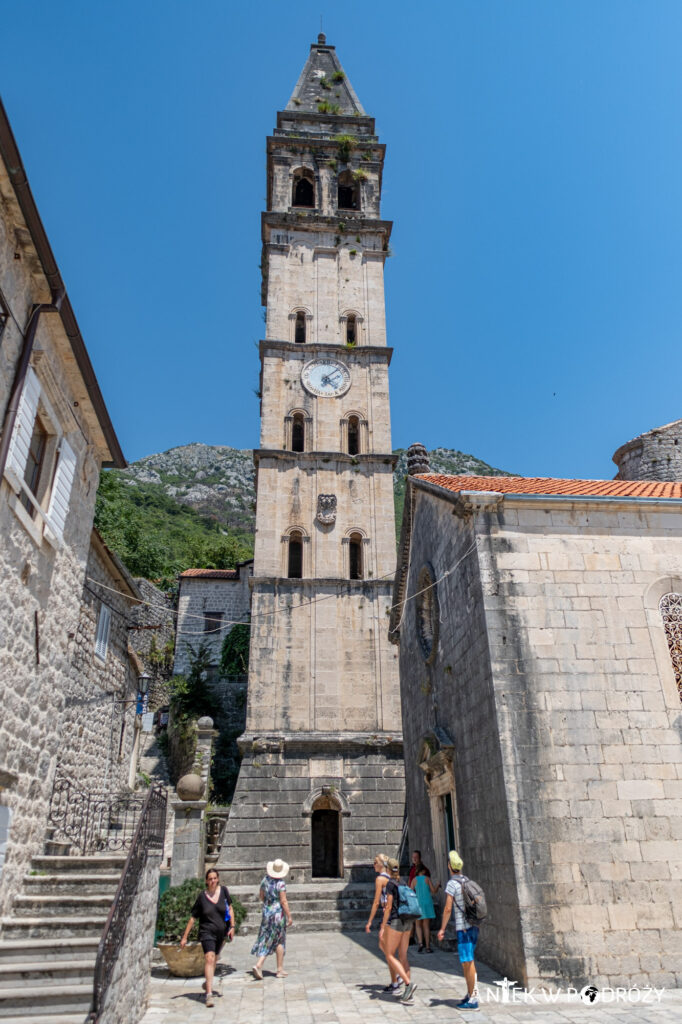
<point x="102" y="634"/>
<point x="41" y="464"/>
<point x="61" y="488"/>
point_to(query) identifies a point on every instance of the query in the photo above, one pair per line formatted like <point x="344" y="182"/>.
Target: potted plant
<point x="175" y="907"/>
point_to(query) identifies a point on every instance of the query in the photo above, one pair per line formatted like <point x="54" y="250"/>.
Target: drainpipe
<point x="22" y="370"/>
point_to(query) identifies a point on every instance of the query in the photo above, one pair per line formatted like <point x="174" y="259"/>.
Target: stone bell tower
<point x="321" y="781"/>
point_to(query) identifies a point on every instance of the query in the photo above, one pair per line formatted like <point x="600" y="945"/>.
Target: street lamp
<point x="143" y="681"/>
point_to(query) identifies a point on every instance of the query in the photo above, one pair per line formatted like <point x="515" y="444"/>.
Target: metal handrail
<point x="148" y="838"/>
<point x="94" y="822"/>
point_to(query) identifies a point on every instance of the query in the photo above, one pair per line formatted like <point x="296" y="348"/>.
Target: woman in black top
<point x="213" y="911"/>
<point x="394" y="935"/>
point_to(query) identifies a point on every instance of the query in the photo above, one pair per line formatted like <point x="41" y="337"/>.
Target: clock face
<point x="326" y="378"/>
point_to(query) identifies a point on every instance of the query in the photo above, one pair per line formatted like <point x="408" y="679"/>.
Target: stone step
<point x="60" y="905"/>
<point x="57" y="849"/>
<point x="54" y="927"/>
<point x="68" y="948"/>
<point x="26" y="1003"/>
<point x="97" y="864"/>
<point x="47" y="972"/>
<point x="72" y="882"/>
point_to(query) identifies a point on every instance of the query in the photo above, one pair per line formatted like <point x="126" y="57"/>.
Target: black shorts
<point x="211" y="943"/>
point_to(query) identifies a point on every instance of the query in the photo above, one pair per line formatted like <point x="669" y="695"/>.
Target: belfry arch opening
<point x="355" y="556"/>
<point x="298" y="432"/>
<point x="300" y="328"/>
<point x="303" y="188"/>
<point x="353" y="435"/>
<point x="295" y="556"/>
<point x="326" y="839"/>
<point x="351" y="329"/>
<point x="348" y="192"/>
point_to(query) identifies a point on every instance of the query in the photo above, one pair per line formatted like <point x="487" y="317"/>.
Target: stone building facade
<point x="654" y="455"/>
<point x="541" y="715"/>
<point x="100" y="725"/>
<point x="322" y="751"/>
<point x="210" y="602"/>
<point x="55" y="436"/>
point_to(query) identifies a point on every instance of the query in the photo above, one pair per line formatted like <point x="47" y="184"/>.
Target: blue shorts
<point x="466" y="944"/>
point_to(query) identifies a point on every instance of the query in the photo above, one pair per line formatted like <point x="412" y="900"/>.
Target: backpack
<point x="475" y="906"/>
<point x="408" y="904"/>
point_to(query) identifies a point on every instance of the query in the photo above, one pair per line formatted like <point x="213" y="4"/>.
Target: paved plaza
<point x="338" y="979"/>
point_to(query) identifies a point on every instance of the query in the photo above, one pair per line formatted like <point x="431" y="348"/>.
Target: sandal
<point x="209" y="999"/>
<point x="282" y="974"/>
<point x="257" y="973"/>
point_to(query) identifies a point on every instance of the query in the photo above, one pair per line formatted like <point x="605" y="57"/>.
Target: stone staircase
<point x="325" y="906"/>
<point x="49" y="943"/>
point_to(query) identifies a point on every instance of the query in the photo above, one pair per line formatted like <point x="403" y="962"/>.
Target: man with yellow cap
<point x="467" y="934"/>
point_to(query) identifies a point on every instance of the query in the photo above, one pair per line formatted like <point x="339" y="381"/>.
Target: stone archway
<point x="326" y="837"/>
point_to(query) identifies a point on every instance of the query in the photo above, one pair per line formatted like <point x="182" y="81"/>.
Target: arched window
<point x="300" y="328"/>
<point x="298" y="432"/>
<point x="303" y="192"/>
<point x="351" y="329"/>
<point x="355" y="556"/>
<point x="349" y="192"/>
<point x="295" y="565"/>
<point x="671" y="611"/>
<point x="353" y="435"/>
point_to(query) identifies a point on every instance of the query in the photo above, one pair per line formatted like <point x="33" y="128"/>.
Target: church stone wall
<point x="561" y="601"/>
<point x="589" y="722"/>
<point x="656" y="455"/>
<point x="455" y="693"/>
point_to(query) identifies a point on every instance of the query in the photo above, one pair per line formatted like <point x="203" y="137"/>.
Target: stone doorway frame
<point x="326" y="798"/>
<point x="436" y="760"/>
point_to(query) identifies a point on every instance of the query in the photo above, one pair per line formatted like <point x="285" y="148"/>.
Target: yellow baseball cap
<point x="455" y="861"/>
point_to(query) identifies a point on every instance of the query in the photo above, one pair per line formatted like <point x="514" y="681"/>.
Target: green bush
<point x="175" y="907"/>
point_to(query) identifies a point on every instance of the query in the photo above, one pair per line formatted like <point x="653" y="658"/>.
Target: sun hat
<point x="455" y="861"/>
<point x="277" y="868"/>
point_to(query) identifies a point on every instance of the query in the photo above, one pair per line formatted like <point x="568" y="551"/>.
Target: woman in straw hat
<point x="272" y="937"/>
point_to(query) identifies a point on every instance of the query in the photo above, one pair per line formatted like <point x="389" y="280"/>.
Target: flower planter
<point x="184" y="963"/>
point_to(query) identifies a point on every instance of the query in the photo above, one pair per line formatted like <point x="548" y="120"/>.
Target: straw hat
<point x="277" y="868"/>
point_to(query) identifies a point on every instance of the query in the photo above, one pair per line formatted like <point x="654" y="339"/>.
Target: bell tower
<point x="321" y="780"/>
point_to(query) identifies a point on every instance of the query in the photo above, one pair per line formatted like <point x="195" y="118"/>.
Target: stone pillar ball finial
<point x="205" y="722"/>
<point x="190" y="787"/>
<point x="417" y="459"/>
<point x="321" y="39"/>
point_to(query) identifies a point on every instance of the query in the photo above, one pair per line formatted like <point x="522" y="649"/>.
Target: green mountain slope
<point x="194" y="506"/>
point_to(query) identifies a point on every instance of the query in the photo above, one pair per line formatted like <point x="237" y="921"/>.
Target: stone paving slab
<point x="337" y="978"/>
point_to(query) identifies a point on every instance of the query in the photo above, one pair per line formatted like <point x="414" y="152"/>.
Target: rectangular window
<point x="212" y="622"/>
<point x="41" y="464"/>
<point x="102" y="634"/>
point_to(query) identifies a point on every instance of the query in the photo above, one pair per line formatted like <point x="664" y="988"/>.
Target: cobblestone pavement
<point x="337" y="979"/>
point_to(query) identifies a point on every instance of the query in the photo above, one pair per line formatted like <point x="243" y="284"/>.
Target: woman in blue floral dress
<point x="272" y="937"/>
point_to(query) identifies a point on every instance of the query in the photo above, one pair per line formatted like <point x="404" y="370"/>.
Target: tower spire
<point x="323" y="86"/>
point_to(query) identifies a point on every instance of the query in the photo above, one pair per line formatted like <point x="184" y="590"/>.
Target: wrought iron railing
<point x="148" y="838"/>
<point x="93" y="822"/>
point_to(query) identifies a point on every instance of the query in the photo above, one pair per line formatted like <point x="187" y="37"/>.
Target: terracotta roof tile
<point x="549" y="485"/>
<point x="213" y="574"/>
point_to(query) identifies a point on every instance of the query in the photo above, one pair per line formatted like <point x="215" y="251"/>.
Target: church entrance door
<point x="326" y="840"/>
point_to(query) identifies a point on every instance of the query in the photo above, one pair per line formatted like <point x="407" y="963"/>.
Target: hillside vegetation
<point x="194" y="506"/>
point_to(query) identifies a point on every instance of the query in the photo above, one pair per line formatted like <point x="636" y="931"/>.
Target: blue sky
<point x="533" y="175"/>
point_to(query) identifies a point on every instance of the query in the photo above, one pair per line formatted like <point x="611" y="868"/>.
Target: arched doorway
<point x="326" y="839"/>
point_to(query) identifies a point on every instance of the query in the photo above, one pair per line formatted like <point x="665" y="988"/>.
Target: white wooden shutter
<point x="102" y="635"/>
<point x="61" y="489"/>
<point x="20" y="442"/>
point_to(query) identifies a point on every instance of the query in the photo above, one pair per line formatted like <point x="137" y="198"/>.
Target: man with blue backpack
<point x="468" y="901"/>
